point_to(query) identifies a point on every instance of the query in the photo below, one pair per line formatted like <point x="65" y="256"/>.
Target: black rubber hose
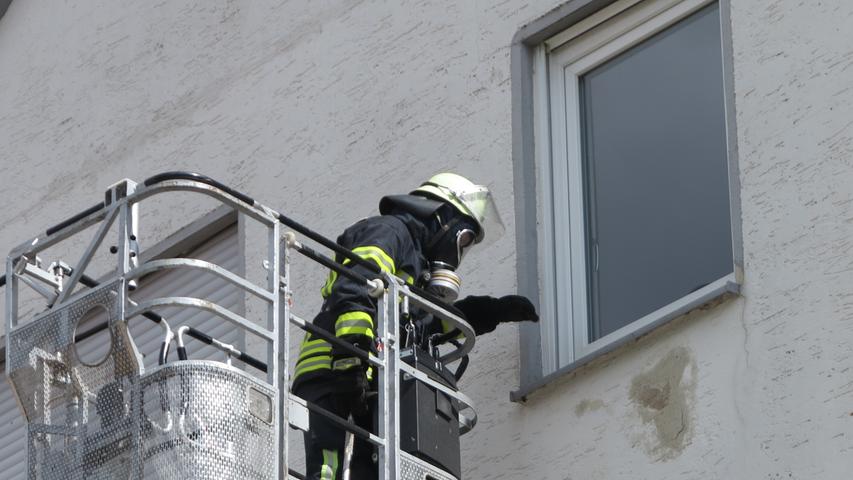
<point x="81" y="215"/>
<point x="242" y="356"/>
<point x="329" y="244"/>
<point x="92" y="283"/>
<point x="463" y="364"/>
<point x="333" y="265"/>
<point x="162" y="177"/>
<point x="164" y="353"/>
<point x="293" y="473"/>
<point x="3" y="280"/>
<point x="92" y="331"/>
<point x="197" y="177"/>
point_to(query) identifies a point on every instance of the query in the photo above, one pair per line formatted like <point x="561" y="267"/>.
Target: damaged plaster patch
<point x="663" y="396"/>
<point x="588" y="406"/>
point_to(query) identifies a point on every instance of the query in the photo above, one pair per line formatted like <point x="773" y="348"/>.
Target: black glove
<point x="484" y="313"/>
<point x="351" y="390"/>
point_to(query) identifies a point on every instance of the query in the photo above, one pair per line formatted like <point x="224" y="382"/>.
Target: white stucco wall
<point x="318" y="108"/>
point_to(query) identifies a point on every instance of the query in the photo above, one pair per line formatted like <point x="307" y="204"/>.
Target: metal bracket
<point x="30" y="271"/>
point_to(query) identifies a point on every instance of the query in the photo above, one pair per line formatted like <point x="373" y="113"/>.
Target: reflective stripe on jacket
<point x="348" y="311"/>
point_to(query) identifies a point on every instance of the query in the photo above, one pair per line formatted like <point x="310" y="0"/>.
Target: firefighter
<point x="420" y="237"/>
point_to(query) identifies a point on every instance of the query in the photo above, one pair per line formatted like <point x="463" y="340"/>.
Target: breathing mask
<point x="445" y="252"/>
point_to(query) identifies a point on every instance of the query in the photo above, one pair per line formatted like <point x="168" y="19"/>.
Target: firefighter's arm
<point x="354" y="308"/>
<point x="484" y="313"/>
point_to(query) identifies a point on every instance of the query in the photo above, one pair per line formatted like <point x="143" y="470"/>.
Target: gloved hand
<point x="484" y="313"/>
<point x="351" y="385"/>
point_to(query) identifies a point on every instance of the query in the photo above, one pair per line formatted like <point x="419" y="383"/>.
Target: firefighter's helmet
<point x="472" y="200"/>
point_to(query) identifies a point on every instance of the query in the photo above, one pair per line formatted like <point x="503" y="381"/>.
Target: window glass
<point x="655" y="165"/>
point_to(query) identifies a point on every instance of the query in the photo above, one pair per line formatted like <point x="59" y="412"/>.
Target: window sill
<point x="725" y="286"/>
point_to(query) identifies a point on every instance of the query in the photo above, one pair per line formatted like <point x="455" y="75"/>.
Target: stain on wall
<point x="663" y="397"/>
<point x="588" y="405"/>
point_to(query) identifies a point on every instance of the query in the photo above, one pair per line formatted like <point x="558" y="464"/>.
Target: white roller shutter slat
<point x="13" y="436"/>
<point x="222" y="250"/>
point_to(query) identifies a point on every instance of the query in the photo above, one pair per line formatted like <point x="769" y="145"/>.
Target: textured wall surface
<point x="318" y="108"/>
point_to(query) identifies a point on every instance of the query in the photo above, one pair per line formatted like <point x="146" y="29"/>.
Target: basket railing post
<point x="278" y="313"/>
<point x="388" y="405"/>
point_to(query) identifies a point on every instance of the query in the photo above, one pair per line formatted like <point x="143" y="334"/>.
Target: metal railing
<point x="164" y="415"/>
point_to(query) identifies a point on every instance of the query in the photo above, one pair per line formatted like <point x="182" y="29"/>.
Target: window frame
<point x="547" y="173"/>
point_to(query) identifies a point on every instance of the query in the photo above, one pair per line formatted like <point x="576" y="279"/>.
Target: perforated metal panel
<point x="205" y="420"/>
<point x="67" y="403"/>
<point x="412" y="468"/>
<point x="43" y="362"/>
<point x="186" y="420"/>
<point x="222" y="249"/>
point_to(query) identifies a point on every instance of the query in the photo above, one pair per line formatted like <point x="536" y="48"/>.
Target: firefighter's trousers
<point x="325" y="442"/>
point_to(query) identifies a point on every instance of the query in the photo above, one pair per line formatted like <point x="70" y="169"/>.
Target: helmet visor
<point x="481" y="206"/>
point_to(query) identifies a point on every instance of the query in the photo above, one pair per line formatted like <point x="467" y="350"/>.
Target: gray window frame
<point x="535" y="276"/>
<point x="4" y="6"/>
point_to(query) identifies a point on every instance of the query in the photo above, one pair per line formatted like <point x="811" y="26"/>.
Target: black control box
<point x="429" y="425"/>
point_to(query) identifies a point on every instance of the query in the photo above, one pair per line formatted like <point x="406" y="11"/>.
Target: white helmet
<point x="469" y="199"/>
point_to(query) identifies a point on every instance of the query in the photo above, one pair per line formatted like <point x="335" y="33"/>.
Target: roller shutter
<point x="223" y="250"/>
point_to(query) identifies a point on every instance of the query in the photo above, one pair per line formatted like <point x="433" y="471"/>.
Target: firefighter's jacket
<point x="394" y="243"/>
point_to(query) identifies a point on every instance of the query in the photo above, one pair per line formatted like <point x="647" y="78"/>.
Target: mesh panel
<point x="187" y="420"/>
<point x="412" y="468"/>
<point x="204" y="420"/>
<point x="79" y="415"/>
<point x="43" y="364"/>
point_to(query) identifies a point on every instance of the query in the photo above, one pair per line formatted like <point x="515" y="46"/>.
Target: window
<point x="633" y="172"/>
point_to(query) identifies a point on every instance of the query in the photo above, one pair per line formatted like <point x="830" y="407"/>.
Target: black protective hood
<point x="417" y="213"/>
<point x="421" y="208"/>
<point x="437" y="225"/>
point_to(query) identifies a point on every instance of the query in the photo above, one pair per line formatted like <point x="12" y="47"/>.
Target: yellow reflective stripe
<point x="354" y="323"/>
<point x="367" y="252"/>
<point x="354" y="316"/>
<point x="314" y="363"/>
<point x="308" y="342"/>
<point x="330" y="282"/>
<point x="410" y="280"/>
<point x="366" y="331"/>
<point x="446" y="326"/>
<point x="306" y="339"/>
<point x="314" y="347"/>
<point x="330" y="465"/>
<point x="372" y="252"/>
<point x="310" y="347"/>
<point x="327" y="288"/>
